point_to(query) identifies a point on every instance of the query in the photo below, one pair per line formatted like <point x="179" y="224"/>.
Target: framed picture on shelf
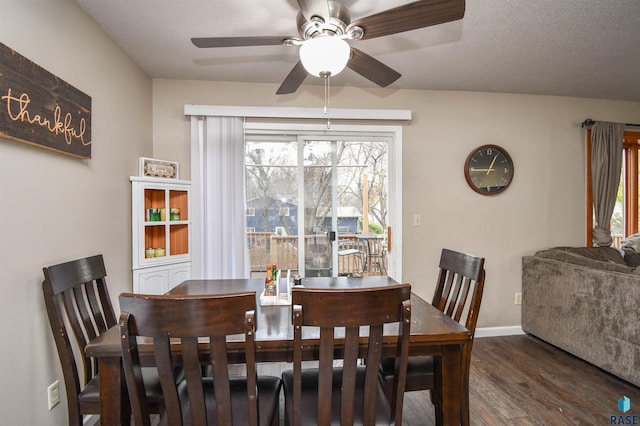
<point x="152" y="167"/>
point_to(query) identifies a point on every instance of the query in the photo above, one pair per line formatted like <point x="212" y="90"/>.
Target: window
<point x="284" y="211"/>
<point x="625" y="218"/>
<point x="251" y="211"/>
<point x="628" y="189"/>
<point x="305" y="183"/>
<point x="279" y="124"/>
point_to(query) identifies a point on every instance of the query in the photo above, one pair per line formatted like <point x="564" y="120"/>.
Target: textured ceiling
<point x="583" y="48"/>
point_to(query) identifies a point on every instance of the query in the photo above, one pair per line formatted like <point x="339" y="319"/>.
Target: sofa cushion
<point x="632" y="243"/>
<point x="604" y="254"/>
<point x="631" y="250"/>
<point x="603" y="258"/>
<point x="631" y="258"/>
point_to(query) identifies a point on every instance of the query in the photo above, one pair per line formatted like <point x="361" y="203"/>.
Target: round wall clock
<point x="488" y="169"/>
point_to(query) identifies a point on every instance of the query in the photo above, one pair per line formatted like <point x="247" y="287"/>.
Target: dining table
<point x="432" y="333"/>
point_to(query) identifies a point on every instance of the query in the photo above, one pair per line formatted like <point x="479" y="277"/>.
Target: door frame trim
<point x="397" y="117"/>
<point x="394" y="132"/>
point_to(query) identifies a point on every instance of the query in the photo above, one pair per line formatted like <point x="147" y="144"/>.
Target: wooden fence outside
<point x="268" y="248"/>
<point x="617" y="241"/>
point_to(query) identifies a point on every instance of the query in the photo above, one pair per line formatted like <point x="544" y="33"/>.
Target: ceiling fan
<point x="325" y="27"/>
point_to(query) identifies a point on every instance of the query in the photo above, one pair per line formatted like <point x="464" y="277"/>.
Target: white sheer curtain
<point x="218" y="198"/>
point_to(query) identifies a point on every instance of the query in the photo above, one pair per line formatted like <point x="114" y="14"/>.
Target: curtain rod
<point x="589" y="122"/>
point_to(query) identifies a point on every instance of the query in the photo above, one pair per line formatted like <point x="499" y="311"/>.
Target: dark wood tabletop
<point x="432" y="333"/>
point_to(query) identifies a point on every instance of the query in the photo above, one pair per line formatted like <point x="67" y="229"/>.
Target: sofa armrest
<point x="590" y="313"/>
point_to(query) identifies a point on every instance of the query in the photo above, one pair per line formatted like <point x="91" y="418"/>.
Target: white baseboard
<point x="498" y="331"/>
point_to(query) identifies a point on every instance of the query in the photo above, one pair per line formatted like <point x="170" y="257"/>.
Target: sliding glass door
<point x="314" y="202"/>
<point x="318" y="196"/>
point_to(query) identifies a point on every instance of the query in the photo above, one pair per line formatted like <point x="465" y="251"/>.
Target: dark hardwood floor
<point x="520" y="380"/>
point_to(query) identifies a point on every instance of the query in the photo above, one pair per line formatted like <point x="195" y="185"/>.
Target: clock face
<point x="488" y="169"/>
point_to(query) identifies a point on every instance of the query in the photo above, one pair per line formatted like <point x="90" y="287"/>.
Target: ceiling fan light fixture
<point x="325" y="55"/>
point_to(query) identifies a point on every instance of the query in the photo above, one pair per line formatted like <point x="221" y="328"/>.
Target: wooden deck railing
<point x="267" y="248"/>
<point x="617" y="241"/>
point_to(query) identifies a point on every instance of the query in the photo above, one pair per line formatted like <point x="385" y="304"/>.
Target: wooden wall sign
<point x="38" y="108"/>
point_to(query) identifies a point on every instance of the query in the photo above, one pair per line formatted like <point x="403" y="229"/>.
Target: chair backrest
<point x="75" y="293"/>
<point x="375" y="245"/>
<point x="460" y="275"/>
<point x="329" y="309"/>
<point x="201" y="323"/>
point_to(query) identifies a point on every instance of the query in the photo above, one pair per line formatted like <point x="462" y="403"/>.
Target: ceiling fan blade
<point x="237" y="41"/>
<point x="372" y="69"/>
<point x="419" y="14"/>
<point x="293" y="80"/>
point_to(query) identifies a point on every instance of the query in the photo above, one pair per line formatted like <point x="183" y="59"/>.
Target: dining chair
<point x="78" y="305"/>
<point x="201" y="324"/>
<point x="460" y="275"/>
<point x="352" y="257"/>
<point x="375" y="254"/>
<point x="351" y="393"/>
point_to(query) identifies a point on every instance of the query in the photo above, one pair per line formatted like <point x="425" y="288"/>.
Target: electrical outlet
<point x="53" y="394"/>
<point x="518" y="299"/>
<point x="417" y="220"/>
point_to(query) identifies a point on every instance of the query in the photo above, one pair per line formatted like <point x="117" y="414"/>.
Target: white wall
<point x="543" y="207"/>
<point x="55" y="208"/>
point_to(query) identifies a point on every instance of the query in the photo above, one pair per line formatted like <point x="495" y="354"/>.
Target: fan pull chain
<point x="327" y="81"/>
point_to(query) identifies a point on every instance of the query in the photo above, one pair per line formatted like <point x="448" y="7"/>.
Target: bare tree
<point x="267" y="178"/>
<point x="271" y="176"/>
<point x="378" y="159"/>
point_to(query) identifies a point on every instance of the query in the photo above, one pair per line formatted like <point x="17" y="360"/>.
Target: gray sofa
<point x="585" y="301"/>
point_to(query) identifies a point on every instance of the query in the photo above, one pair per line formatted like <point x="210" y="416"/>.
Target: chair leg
<point x="437" y="407"/>
<point x="388" y="389"/>
<point x="435" y="392"/>
<point x="464" y="409"/>
<point x="466" y="369"/>
<point x="464" y="403"/>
